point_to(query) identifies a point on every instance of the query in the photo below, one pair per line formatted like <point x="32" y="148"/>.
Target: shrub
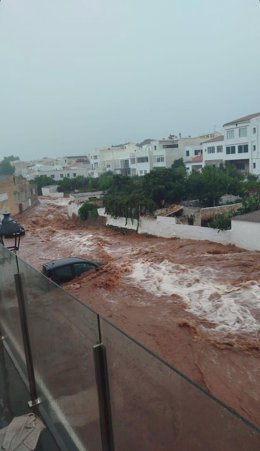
<point x="88" y="211"/>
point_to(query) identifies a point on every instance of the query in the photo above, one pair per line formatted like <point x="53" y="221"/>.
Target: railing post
<point x="105" y="413"/>
<point x="26" y="340"/>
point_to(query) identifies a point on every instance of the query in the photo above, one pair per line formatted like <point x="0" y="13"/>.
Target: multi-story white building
<point x="213" y="151"/>
<point x="57" y="169"/>
<point x="242" y="143"/>
<point x="192" y="150"/>
<point x="113" y="158"/>
<point x="239" y="145"/>
<point x="129" y="159"/>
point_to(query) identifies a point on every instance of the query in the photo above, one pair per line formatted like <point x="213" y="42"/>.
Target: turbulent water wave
<point x="229" y="309"/>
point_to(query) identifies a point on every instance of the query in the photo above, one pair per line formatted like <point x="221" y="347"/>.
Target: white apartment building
<point x="213" y="151"/>
<point x="242" y="143"/>
<point x="58" y="173"/>
<point x="57" y="169"/>
<point x="163" y="152"/>
<point x="192" y="150"/>
<point x="113" y="158"/>
<point x="129" y="159"/>
<point x="239" y="145"/>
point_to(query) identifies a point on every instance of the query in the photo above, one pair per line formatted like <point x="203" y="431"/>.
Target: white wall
<point x="73" y="209"/>
<point x="243" y="234"/>
<point x="246" y="234"/>
<point x="167" y="228"/>
<point x="51" y="193"/>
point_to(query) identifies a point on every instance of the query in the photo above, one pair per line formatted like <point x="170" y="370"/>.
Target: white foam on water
<point x="78" y="244"/>
<point x="59" y="201"/>
<point x="230" y="309"/>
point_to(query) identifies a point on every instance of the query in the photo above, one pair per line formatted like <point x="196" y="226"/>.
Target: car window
<point x="79" y="268"/>
<point x="62" y="274"/>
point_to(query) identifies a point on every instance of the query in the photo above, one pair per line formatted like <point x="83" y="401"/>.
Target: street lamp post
<point x="10" y="230"/>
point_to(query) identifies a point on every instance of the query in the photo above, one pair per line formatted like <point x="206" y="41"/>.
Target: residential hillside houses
<point x="238" y="143"/>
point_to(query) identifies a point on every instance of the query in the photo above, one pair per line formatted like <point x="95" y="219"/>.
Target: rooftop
<point x="215" y="139"/>
<point x="243" y="119"/>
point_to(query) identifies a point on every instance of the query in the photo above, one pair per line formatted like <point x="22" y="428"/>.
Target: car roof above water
<point x="63" y="262"/>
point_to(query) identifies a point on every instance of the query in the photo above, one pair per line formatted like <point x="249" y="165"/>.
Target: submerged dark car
<point x="65" y="269"/>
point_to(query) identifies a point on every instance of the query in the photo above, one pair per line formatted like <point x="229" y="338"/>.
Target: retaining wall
<point x="167" y="228"/>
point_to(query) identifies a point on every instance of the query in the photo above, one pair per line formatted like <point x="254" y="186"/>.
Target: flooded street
<point x="196" y="304"/>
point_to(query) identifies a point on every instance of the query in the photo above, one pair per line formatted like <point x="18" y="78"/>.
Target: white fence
<point x="167" y="228"/>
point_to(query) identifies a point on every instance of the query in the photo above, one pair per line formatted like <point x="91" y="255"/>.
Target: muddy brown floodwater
<point x="195" y="304"/>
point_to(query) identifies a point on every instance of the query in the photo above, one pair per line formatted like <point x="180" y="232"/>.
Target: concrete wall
<point x="211" y="212"/>
<point x="18" y="193"/>
<point x="246" y="234"/>
<point x="46" y="190"/>
<point x="73" y="209"/>
<point x="51" y="191"/>
<point x="243" y="234"/>
<point x="167" y="228"/>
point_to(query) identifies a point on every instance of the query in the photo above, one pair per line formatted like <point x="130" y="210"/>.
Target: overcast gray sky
<point x="79" y="74"/>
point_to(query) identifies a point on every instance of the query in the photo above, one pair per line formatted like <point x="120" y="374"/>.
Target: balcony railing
<point x="99" y="389"/>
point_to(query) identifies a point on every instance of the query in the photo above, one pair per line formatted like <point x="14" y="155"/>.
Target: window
<point x="242" y="132"/>
<point x="79" y="268"/>
<point x="243" y="148"/>
<point x="141" y="172"/>
<point x="254" y="147"/>
<point x="211" y="149"/>
<point x="145" y="172"/>
<point x="254" y="130"/>
<point x="254" y="165"/>
<point x="132" y="160"/>
<point x="74" y="174"/>
<point x="68" y="175"/>
<point x="155" y="147"/>
<point x="219" y="149"/>
<point x="187" y="153"/>
<point x="95" y="157"/>
<point x="108" y="166"/>
<point x="159" y="159"/>
<point x="240" y="165"/>
<point x="230" y="134"/>
<point x="197" y="152"/>
<point x="230" y="149"/>
<point x="62" y="274"/>
<point x="61" y="176"/>
<point x="170" y="146"/>
<point x="142" y="160"/>
<point x="52" y="176"/>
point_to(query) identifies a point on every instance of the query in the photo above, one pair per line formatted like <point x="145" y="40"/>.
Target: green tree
<point x="5" y="165"/>
<point x="105" y="181"/>
<point x="222" y="221"/>
<point x="40" y="181"/>
<point x="128" y="205"/>
<point x="66" y="185"/>
<point x="165" y="185"/>
<point x="250" y="203"/>
<point x="122" y="184"/>
<point x="251" y="185"/>
<point x="88" y="211"/>
<point x="211" y="183"/>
